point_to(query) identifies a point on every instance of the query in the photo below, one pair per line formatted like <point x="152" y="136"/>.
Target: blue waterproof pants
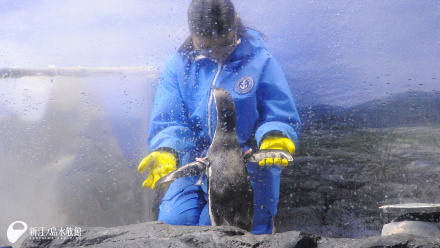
<point x="187" y="204"/>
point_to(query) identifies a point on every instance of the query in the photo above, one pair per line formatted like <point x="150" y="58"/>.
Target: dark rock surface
<point x="340" y="178"/>
<point x="157" y="234"/>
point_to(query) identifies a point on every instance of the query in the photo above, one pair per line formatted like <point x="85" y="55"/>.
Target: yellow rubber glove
<point x="158" y="164"/>
<point x="280" y="143"/>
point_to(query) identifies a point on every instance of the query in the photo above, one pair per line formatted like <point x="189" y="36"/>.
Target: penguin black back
<point x="230" y="191"/>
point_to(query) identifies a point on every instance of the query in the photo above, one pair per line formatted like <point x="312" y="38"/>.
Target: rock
<point x="419" y="228"/>
<point x="340" y="178"/>
<point x="158" y="234"/>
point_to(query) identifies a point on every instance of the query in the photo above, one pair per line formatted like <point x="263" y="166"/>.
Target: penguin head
<point x="226" y="114"/>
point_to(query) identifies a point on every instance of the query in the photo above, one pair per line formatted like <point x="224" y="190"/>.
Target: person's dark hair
<point x="212" y="18"/>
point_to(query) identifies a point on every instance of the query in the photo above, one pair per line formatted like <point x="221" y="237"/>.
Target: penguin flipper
<point x="269" y="153"/>
<point x="188" y="170"/>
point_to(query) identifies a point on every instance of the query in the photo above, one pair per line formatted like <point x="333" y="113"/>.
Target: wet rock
<point x="158" y="234"/>
<point x="340" y="178"/>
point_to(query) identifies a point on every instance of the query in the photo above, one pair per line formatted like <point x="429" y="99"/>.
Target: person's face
<point x="217" y="49"/>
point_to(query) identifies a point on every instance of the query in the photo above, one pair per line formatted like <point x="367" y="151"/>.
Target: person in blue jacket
<point x="220" y="52"/>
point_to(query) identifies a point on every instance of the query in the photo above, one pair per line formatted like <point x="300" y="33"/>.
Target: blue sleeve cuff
<point x="170" y="138"/>
<point x="282" y="127"/>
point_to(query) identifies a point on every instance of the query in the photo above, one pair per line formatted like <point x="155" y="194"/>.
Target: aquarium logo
<point x="14" y="234"/>
<point x="15" y="231"/>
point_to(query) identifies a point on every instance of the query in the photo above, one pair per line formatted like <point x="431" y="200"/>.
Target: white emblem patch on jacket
<point x="244" y="85"/>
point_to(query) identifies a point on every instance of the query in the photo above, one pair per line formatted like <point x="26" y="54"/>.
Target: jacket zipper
<point x="210" y="101"/>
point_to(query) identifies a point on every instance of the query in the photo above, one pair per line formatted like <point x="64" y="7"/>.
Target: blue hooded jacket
<point x="184" y="117"/>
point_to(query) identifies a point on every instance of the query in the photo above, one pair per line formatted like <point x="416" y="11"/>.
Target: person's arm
<point x="169" y="128"/>
<point x="280" y="119"/>
<point x="170" y="136"/>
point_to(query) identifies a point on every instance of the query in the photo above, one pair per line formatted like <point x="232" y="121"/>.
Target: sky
<point x="341" y="52"/>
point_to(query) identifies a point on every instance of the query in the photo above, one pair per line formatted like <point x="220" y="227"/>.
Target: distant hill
<point x="320" y="116"/>
<point x="412" y="108"/>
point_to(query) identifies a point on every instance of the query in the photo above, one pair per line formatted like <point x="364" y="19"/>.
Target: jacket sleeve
<point x="277" y="108"/>
<point x="169" y="128"/>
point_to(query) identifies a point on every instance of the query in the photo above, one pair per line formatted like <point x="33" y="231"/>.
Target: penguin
<point x="230" y="193"/>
